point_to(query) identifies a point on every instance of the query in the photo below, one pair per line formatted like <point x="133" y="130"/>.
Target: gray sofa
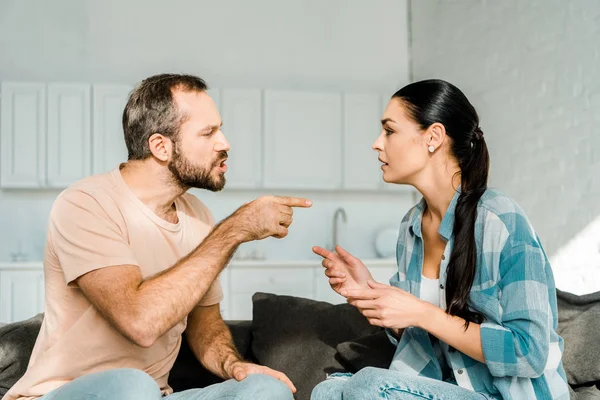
<point x="308" y="339"/>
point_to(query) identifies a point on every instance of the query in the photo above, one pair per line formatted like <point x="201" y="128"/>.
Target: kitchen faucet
<point x="339" y="211"/>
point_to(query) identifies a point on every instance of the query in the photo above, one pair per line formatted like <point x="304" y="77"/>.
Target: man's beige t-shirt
<point x="98" y="222"/>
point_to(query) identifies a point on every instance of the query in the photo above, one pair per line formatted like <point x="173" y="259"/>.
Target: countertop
<point x="235" y="263"/>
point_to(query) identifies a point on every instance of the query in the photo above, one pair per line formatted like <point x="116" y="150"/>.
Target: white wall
<point x="531" y="68"/>
<point x="275" y="43"/>
<point x="332" y="45"/>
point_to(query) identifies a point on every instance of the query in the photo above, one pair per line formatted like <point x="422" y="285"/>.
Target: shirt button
<point x="460" y="371"/>
<point x="441" y="286"/>
<point x="443" y="257"/>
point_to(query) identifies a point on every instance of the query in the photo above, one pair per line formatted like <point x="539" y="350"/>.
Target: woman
<point x="472" y="308"/>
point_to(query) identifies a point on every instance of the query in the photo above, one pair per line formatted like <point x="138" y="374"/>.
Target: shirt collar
<point x="447" y="224"/>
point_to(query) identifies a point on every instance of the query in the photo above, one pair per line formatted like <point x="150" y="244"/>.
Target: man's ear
<point x="160" y="146"/>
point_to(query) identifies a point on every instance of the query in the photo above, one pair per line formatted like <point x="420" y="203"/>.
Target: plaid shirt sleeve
<point x="518" y="344"/>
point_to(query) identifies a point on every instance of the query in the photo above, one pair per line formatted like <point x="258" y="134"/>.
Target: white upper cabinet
<point x="242" y="126"/>
<point x="109" y="149"/>
<point x="362" y="115"/>
<point x="53" y="134"/>
<point x="303" y="132"/>
<point x="23" y="135"/>
<point x="69" y="134"/>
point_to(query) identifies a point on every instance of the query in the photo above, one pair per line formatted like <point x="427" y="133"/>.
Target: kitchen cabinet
<point x="69" y="134"/>
<point x="23" y="135"/>
<point x="53" y="134"/>
<point x="45" y="134"/>
<point x="241" y="112"/>
<point x="21" y="292"/>
<point x="303" y="132"/>
<point x="361" y="168"/>
<point x="109" y="149"/>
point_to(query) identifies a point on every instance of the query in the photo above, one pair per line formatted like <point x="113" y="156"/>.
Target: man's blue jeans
<point x="133" y="384"/>
<point x="377" y="383"/>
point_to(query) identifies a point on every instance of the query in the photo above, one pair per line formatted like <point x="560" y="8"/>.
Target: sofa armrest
<point x="16" y="344"/>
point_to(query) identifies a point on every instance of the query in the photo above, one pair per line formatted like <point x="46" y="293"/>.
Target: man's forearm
<point x="163" y="300"/>
<point x="213" y="346"/>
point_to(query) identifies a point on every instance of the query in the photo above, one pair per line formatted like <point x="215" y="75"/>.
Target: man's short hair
<point x="151" y="109"/>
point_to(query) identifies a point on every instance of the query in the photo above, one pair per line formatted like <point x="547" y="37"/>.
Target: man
<point x="132" y="262"/>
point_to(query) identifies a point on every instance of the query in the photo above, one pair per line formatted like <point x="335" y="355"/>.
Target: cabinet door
<point x="362" y="116"/>
<point x="21" y="294"/>
<point x="23" y="135"/>
<point x="108" y="142"/>
<point x="69" y="138"/>
<point x="242" y="125"/>
<point x="302" y="140"/>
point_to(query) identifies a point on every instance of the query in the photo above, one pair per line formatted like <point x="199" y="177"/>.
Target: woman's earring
<point x="431" y="149"/>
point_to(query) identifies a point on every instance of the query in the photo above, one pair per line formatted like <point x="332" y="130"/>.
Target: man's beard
<point x="188" y="175"/>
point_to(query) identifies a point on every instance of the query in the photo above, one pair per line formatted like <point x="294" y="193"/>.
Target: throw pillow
<point x="16" y="344"/>
<point x="298" y="337"/>
<point x="373" y="350"/>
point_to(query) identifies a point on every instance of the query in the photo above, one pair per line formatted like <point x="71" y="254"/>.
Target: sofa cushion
<point x="374" y="350"/>
<point x="585" y="393"/>
<point x="16" y="344"/>
<point x="298" y="337"/>
<point x="579" y="326"/>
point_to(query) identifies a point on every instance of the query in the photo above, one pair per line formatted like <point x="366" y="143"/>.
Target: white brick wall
<point x="532" y="70"/>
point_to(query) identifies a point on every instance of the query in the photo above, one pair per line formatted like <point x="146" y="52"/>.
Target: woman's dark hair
<point x="432" y="101"/>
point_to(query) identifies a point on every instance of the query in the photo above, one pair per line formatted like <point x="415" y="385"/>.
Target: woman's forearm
<point x="451" y="330"/>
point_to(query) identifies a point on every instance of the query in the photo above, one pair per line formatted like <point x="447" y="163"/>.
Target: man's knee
<point x="130" y="383"/>
<point x="138" y="378"/>
<point x="261" y="386"/>
<point x="115" y="384"/>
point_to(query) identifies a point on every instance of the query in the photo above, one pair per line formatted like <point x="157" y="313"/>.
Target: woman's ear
<point x="435" y="137"/>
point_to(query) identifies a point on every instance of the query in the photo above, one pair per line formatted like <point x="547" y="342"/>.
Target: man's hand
<point x="345" y="272"/>
<point x="267" y="216"/>
<point x="239" y="370"/>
